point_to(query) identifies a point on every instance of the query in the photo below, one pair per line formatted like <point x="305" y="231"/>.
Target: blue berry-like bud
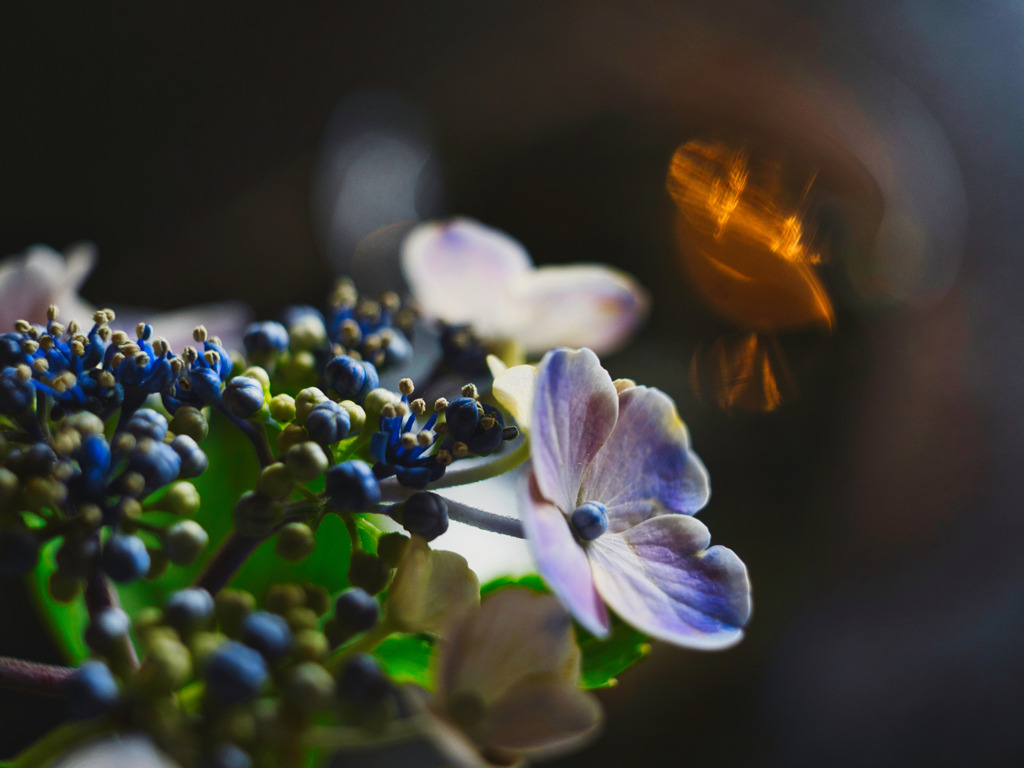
<point x="188" y="608"/>
<point x="352" y="379"/>
<point x="235" y="672"/>
<point x="356" y="610"/>
<point x="398" y="349"/>
<point x="147" y="423"/>
<point x="227" y="756"/>
<point x="37" y="460"/>
<point x="107" y="627"/>
<point x="19" y="551"/>
<point x="425" y="514"/>
<point x="16" y="393"/>
<point x="362" y="681"/>
<point x="266" y="336"/>
<point x="243" y="396"/>
<point x="268" y="633"/>
<point x="589" y="520"/>
<point x="193" y="460"/>
<point x="462" y="416"/>
<point x="489" y="434"/>
<point x="90" y="691"/>
<point x="351" y="486"/>
<point x="328" y="423"/>
<point x="125" y="557"/>
<point x="158" y="463"/>
<point x="10" y="349"/>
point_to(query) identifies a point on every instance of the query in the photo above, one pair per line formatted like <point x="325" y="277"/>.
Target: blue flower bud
<point x="10" y="349"/>
<point x="362" y="681"/>
<point x="462" y="416"/>
<point x="264" y="337"/>
<point x="489" y="433"/>
<point x="268" y="633"/>
<point x="356" y="610"/>
<point x="398" y="349"/>
<point x="125" y="557"/>
<point x="424" y="514"/>
<point x="188" y="609"/>
<point x="16" y="393"/>
<point x="91" y="690"/>
<point x="146" y="422"/>
<point x="227" y="756"/>
<point x="328" y="423"/>
<point x="352" y="379"/>
<point x="234" y="673"/>
<point x="351" y="486"/>
<point x="193" y="460"/>
<point x="158" y="463"/>
<point x="106" y="628"/>
<point x="37" y="460"/>
<point x="243" y="396"/>
<point x="589" y="520"/>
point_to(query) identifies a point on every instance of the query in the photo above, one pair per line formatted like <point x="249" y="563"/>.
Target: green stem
<point x="363" y="644"/>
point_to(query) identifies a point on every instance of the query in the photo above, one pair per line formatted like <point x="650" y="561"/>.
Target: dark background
<point x="878" y="510"/>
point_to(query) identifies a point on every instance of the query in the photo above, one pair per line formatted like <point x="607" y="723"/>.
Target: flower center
<point x="589" y="520"/>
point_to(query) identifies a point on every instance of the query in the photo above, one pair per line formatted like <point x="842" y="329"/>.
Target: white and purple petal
<point x="459" y="271"/>
<point x="646" y="467"/>
<point x="581" y="305"/>
<point x="574" y="410"/>
<point x="561" y="561"/>
<point x="662" y="578"/>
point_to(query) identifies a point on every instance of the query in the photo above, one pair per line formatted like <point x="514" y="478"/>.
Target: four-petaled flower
<point x="608" y="508"/>
<point x="463" y="273"/>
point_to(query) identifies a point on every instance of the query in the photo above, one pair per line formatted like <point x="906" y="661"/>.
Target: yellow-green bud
<point x="308" y="687"/>
<point x="282" y="408"/>
<point x="295" y="542"/>
<point x="231" y="606"/>
<point x="64" y="587"/>
<point x="276" y="481"/>
<point x="307" y="461"/>
<point x="306" y="401"/>
<point x="260" y="374"/>
<point x="302" y="618"/>
<point x="356" y="416"/>
<point x="167" y="665"/>
<point x="190" y="421"/>
<point x="375" y="402"/>
<point x="184" y="542"/>
<point x="310" y="645"/>
<point x="291" y="435"/>
<point x="181" y="499"/>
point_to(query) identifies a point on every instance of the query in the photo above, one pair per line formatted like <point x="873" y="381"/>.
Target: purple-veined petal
<point x="646" y="467"/>
<point x="516" y="634"/>
<point x="661" y="578"/>
<point x="574" y="410"/>
<point x="561" y="561"/>
<point x="459" y="271"/>
<point x="540" y="716"/>
<point x="582" y="305"/>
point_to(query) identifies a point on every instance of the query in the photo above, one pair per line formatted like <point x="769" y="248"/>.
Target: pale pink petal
<point x="516" y="634"/>
<point x="574" y="410"/>
<point x="540" y="716"/>
<point x="646" y="467"/>
<point x="582" y="305"/>
<point x="31" y="282"/>
<point x="561" y="561"/>
<point x="459" y="270"/>
<point x="661" y="578"/>
<point x="226" y="320"/>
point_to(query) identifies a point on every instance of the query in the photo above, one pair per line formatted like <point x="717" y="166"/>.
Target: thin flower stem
<point x="363" y="644"/>
<point x="100" y="595"/>
<point x="225" y="564"/>
<point x="487" y="521"/>
<point x="256" y="434"/>
<point x="33" y="677"/>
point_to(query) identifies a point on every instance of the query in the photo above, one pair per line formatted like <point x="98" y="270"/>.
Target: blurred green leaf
<point x="66" y="621"/>
<point x="406" y="659"/>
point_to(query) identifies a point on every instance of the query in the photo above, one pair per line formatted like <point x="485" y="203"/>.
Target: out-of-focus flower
<point x="609" y="503"/>
<point x="134" y="750"/>
<point x="463" y="273"/>
<point x="430" y="588"/>
<point x="32" y="281"/>
<point x="507" y="683"/>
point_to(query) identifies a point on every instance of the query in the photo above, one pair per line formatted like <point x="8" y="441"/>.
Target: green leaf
<point x="603" y="658"/>
<point x="67" y="621"/>
<point x="406" y="659"/>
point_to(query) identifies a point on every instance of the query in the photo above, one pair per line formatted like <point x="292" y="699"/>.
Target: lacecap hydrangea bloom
<point x="608" y="508"/>
<point x="463" y="273"/>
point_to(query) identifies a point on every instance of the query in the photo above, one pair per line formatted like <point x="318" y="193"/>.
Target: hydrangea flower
<point x="463" y="273"/>
<point x="608" y="507"/>
<point x="507" y="683"/>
